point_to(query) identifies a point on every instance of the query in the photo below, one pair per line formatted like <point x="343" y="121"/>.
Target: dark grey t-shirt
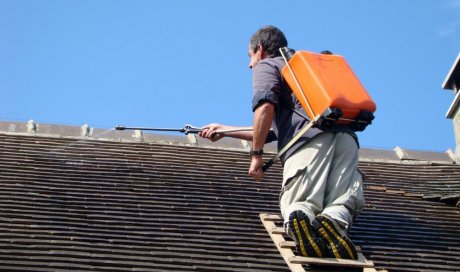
<point x="290" y="117"/>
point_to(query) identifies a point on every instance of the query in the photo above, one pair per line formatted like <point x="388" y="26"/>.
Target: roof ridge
<point x="85" y="132"/>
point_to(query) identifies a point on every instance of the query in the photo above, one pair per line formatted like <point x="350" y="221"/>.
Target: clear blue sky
<point x="167" y="63"/>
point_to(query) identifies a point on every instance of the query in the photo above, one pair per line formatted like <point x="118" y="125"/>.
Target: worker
<point x="322" y="187"/>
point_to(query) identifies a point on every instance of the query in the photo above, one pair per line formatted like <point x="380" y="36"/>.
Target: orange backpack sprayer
<point x="326" y="85"/>
<point x="328" y="90"/>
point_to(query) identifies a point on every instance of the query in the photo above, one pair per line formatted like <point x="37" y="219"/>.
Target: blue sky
<point x="168" y="63"/>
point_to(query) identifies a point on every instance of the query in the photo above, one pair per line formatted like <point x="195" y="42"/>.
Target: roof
<point x="85" y="199"/>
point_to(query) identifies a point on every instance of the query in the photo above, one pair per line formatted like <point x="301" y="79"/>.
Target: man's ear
<point x="263" y="53"/>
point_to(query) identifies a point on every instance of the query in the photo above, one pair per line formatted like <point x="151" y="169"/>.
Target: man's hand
<point x="263" y="117"/>
<point x="209" y="132"/>
<point x="255" y="170"/>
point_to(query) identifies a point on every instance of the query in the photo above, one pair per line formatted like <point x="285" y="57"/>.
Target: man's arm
<point x="263" y="117"/>
<point x="210" y="132"/>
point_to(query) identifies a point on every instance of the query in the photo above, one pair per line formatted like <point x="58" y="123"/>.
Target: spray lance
<point x="187" y="129"/>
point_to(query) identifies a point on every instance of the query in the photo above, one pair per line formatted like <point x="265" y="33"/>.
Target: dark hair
<point x="271" y="39"/>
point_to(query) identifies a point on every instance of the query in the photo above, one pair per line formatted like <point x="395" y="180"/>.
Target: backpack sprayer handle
<point x="267" y="165"/>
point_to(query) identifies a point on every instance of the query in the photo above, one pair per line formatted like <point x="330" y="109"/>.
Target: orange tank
<point x="327" y="81"/>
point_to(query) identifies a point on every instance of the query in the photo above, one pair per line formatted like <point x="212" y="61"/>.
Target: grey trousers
<point x="323" y="177"/>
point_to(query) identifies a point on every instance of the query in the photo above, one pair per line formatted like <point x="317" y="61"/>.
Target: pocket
<point x="289" y="192"/>
<point x="357" y="193"/>
<point x="289" y="183"/>
<point x="292" y="180"/>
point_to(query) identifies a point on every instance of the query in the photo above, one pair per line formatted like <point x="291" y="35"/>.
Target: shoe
<point x="307" y="242"/>
<point x="338" y="244"/>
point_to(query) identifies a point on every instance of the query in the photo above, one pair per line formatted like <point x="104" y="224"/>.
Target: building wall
<point x="456" y="125"/>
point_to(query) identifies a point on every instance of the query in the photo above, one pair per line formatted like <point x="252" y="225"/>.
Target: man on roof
<point x="322" y="187"/>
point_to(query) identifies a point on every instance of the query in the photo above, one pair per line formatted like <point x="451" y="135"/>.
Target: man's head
<point x="266" y="42"/>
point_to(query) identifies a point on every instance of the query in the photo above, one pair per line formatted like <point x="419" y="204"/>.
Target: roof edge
<point x="447" y="84"/>
<point x="85" y="132"/>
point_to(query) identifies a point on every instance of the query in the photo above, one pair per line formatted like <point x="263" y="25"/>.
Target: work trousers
<point x="323" y="177"/>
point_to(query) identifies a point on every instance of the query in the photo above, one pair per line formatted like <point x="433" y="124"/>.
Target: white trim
<point x="453" y="107"/>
